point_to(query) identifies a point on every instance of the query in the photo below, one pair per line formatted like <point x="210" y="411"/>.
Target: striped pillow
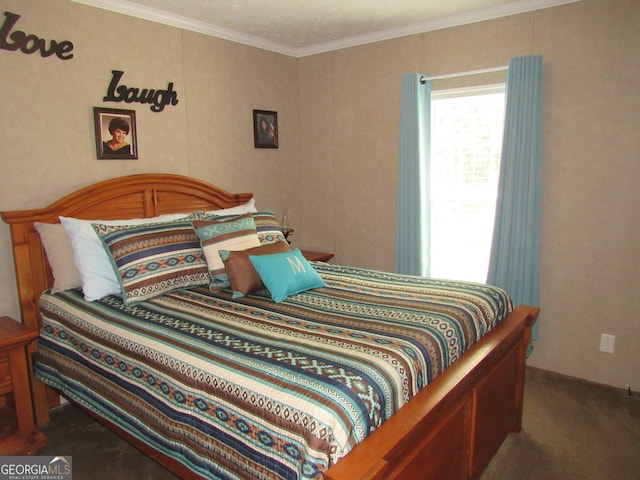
<point x="268" y="227"/>
<point x="224" y="233"/>
<point x="154" y="258"/>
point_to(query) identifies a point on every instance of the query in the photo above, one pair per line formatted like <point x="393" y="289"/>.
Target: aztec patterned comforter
<point x="246" y="388"/>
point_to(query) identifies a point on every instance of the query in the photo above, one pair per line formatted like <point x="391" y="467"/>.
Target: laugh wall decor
<point x="157" y="98"/>
<point x="31" y="43"/>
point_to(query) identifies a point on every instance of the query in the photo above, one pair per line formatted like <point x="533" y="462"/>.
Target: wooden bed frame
<point x="450" y="430"/>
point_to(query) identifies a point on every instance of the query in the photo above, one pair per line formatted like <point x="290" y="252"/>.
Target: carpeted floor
<point x="572" y="430"/>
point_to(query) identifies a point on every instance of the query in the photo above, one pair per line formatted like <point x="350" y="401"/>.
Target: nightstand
<point x="316" y="256"/>
<point x="19" y="435"/>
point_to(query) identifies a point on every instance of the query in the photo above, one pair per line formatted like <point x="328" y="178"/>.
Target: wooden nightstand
<point x="316" y="256"/>
<point x="19" y="435"/>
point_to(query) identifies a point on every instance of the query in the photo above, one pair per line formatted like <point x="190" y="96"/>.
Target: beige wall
<point x="47" y="146"/>
<point x="349" y="113"/>
<point x="336" y="168"/>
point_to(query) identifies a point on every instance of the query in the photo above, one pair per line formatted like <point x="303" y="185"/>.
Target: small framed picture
<point x="116" y="134"/>
<point x="265" y="129"/>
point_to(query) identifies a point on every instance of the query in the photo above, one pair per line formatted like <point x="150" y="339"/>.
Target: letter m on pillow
<point x="296" y="265"/>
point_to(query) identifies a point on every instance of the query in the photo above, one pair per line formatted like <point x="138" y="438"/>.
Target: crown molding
<point x="132" y="9"/>
<point x="513" y="8"/>
<point x="154" y="15"/>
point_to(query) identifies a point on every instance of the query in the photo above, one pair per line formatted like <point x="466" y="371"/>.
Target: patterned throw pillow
<point x="154" y="258"/>
<point x="97" y="277"/>
<point x="268" y="227"/>
<point x="266" y="223"/>
<point x="224" y="233"/>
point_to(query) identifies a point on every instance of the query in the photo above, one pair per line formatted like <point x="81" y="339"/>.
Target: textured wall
<point x="591" y="170"/>
<point x="47" y="146"/>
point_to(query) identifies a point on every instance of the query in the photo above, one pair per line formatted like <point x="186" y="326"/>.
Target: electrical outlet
<point x="607" y="343"/>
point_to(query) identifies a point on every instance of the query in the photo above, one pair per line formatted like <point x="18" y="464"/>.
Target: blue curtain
<point x="515" y="251"/>
<point x="413" y="230"/>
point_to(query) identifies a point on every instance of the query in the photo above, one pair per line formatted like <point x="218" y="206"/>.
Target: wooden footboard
<point x="453" y="428"/>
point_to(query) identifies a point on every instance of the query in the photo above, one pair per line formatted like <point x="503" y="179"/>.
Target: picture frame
<point x="116" y="134"/>
<point x="265" y="129"/>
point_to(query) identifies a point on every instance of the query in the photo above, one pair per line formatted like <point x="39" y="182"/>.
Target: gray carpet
<point x="571" y="430"/>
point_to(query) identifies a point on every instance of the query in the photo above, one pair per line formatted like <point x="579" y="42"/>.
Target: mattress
<point x="247" y="388"/>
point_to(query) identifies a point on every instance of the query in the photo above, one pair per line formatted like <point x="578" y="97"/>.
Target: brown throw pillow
<point x="242" y="275"/>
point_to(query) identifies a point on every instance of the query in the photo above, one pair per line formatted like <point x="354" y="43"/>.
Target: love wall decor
<point x="31" y="43"/>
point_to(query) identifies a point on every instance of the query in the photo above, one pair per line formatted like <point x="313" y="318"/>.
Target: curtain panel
<point x="515" y="251"/>
<point x="413" y="215"/>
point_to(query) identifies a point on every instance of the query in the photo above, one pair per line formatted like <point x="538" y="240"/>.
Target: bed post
<point x="531" y="318"/>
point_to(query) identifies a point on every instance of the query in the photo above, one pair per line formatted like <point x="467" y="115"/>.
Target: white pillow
<point x="249" y="207"/>
<point x="97" y="276"/>
<point x="60" y="255"/>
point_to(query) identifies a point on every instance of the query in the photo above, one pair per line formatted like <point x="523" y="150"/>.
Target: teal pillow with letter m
<point x="286" y="274"/>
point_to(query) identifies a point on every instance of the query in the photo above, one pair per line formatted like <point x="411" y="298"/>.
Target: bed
<point x="458" y="396"/>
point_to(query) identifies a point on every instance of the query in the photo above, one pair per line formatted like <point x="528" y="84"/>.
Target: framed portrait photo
<point x="265" y="129"/>
<point x="116" y="134"/>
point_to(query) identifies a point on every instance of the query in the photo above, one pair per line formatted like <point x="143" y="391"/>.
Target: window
<point x="466" y="144"/>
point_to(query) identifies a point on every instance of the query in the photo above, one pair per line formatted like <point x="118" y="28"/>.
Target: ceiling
<point x="305" y="27"/>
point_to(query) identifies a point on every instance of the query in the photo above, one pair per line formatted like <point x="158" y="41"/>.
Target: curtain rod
<point x="423" y="79"/>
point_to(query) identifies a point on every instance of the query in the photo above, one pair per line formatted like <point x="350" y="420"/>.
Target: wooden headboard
<point x="133" y="196"/>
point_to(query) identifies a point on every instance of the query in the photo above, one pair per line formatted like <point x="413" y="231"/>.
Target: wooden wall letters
<point x="121" y="93"/>
<point x="18" y="40"/>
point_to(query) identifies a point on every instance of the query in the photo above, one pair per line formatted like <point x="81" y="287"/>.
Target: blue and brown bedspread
<point x="246" y="388"/>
